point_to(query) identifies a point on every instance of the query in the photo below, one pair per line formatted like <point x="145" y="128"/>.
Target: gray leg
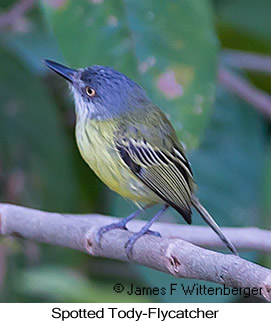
<point x="118" y="225"/>
<point x="145" y="229"/>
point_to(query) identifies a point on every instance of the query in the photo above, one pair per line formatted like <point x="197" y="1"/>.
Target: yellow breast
<point x="95" y="140"/>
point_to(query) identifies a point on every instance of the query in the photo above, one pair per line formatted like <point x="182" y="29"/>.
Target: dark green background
<point x="162" y="45"/>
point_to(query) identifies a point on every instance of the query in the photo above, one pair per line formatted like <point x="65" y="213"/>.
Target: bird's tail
<point x="211" y="222"/>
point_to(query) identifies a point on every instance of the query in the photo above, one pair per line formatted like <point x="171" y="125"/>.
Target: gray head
<point x="100" y="92"/>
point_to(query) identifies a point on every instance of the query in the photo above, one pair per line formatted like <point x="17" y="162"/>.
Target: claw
<point x="117" y="225"/>
<point x="106" y="228"/>
<point x="154" y="233"/>
<point x="130" y="243"/>
<point x="129" y="246"/>
<point x="122" y="225"/>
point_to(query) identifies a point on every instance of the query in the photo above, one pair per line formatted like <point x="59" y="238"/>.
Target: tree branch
<point x="18" y="10"/>
<point x="174" y="256"/>
<point x="249" y="238"/>
<point x="259" y="99"/>
<point x="245" y="60"/>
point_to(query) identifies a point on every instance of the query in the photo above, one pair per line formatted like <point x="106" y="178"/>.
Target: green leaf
<point x="31" y="48"/>
<point x="56" y="283"/>
<point x="33" y="141"/>
<point x="244" y="25"/>
<point x="33" y="43"/>
<point x="228" y="165"/>
<point x="157" y="43"/>
<point x="251" y="18"/>
<point x="61" y="284"/>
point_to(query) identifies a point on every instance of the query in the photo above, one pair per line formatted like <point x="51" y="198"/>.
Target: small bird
<point x="132" y="147"/>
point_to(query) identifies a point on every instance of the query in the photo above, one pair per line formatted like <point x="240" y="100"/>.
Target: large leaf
<point x="229" y="164"/>
<point x="66" y="285"/>
<point x="157" y="43"/>
<point x="250" y="17"/>
<point x="31" y="42"/>
<point x="33" y="142"/>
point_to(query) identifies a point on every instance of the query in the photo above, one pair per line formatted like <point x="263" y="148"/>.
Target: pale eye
<point x="90" y="91"/>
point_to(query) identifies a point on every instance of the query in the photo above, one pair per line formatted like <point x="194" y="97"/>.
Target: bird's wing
<point x="166" y="172"/>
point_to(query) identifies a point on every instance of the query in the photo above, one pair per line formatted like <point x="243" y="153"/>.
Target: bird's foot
<point x="106" y="228"/>
<point x="117" y="225"/>
<point x="130" y="243"/>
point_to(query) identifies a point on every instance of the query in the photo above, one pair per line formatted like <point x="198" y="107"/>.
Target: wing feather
<point x="167" y="173"/>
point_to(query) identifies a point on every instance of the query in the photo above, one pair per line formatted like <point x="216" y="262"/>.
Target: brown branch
<point x="174" y="256"/>
<point x="259" y="99"/>
<point x="16" y="12"/>
<point x="248" y="61"/>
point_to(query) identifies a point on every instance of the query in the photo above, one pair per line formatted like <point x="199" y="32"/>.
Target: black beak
<point x="62" y="70"/>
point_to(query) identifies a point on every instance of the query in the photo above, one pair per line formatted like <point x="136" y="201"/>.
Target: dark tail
<point x="211" y="222"/>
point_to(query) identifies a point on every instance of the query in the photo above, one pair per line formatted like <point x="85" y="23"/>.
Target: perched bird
<point x="131" y="146"/>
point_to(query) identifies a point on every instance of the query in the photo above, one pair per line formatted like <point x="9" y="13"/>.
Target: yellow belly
<point x="94" y="139"/>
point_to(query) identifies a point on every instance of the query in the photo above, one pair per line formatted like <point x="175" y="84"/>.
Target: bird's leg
<point x="118" y="225"/>
<point x="145" y="229"/>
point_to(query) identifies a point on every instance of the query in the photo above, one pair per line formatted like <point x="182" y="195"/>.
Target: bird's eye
<point x="90" y="91"/>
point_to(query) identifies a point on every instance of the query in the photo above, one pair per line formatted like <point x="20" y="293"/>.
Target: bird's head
<point x="100" y="92"/>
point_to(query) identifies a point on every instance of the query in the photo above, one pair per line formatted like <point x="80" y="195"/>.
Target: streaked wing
<point x="167" y="173"/>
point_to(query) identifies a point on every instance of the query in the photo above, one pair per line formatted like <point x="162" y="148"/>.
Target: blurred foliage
<point x="151" y="47"/>
<point x="171" y="49"/>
